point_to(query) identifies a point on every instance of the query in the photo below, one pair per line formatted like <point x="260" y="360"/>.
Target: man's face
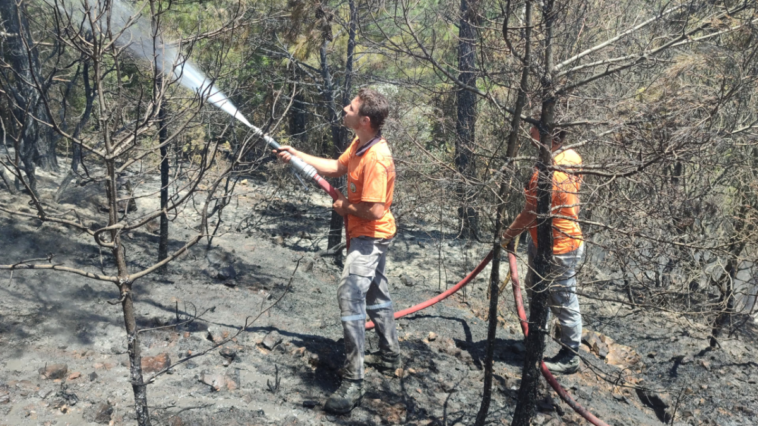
<point x="352" y="119"/>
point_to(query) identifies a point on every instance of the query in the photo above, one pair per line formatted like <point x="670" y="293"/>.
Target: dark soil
<point x="655" y="368"/>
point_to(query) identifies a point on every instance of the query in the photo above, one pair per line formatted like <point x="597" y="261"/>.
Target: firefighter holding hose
<point x="568" y="249"/>
<point x="363" y="288"/>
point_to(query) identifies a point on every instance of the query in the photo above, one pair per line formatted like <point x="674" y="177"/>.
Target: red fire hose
<point x="443" y="296"/>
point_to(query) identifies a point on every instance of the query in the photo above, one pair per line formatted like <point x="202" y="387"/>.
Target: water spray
<point x="136" y="34"/>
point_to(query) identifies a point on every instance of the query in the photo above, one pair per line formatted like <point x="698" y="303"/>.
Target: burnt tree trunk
<point x="162" y="138"/>
<point x="76" y="152"/>
<point x="339" y="132"/>
<point x="45" y="144"/>
<point x="89" y="96"/>
<point x="538" y="303"/>
<point x="19" y="83"/>
<point x="511" y="151"/>
<point x="465" y="125"/>
<point x="489" y="356"/>
<point x="339" y="141"/>
<point x="139" y="387"/>
<point x="298" y="119"/>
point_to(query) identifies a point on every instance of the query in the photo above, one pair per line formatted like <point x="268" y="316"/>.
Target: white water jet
<point x="136" y="35"/>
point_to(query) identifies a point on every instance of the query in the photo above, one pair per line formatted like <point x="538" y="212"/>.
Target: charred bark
<point x="538" y="303"/>
<point x="76" y="152"/>
<point x="18" y="83"/>
<point x="162" y="138"/>
<point x="23" y="82"/>
<point x="465" y="126"/>
<point x="339" y="132"/>
<point x="511" y="151"/>
<point x="298" y="119"/>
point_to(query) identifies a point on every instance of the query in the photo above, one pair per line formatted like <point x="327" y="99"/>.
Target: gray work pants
<point x="364" y="289"/>
<point x="562" y="299"/>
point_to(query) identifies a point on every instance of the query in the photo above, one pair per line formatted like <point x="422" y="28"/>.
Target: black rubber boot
<point x="347" y="397"/>
<point x="566" y="362"/>
<point x="383" y="363"/>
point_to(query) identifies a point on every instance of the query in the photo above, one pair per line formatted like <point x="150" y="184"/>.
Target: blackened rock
<point x="220" y="265"/>
<point x="407" y="280"/>
<point x="66" y="397"/>
<point x="99" y="413"/>
<point x="584" y="394"/>
<point x="228" y="353"/>
<point x="656" y="402"/>
<point x="227" y="273"/>
<point x="271" y="340"/>
<point x="595" y="343"/>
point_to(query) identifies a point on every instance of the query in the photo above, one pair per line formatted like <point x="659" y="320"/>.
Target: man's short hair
<point x="374" y="106"/>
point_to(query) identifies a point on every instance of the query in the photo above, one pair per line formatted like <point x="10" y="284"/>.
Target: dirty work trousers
<point x="562" y="300"/>
<point x="364" y="289"/>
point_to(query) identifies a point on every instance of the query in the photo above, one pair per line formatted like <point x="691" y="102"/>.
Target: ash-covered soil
<point x="62" y="346"/>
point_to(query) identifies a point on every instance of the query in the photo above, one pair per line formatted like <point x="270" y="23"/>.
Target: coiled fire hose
<point x="308" y="171"/>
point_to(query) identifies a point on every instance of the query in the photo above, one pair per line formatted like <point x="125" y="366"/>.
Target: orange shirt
<point x="567" y="234"/>
<point x="371" y="179"/>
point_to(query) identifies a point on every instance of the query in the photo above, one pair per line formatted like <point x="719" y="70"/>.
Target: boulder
<point x="407" y="280"/>
<point x="228" y="352"/>
<point x="221" y="382"/>
<point x="595" y="343"/>
<point x="53" y="371"/>
<point x="99" y="413"/>
<point x="220" y="265"/>
<point x="154" y="364"/>
<point x="271" y="340"/>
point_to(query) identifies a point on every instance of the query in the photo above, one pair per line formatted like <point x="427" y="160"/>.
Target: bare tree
<point x="465" y="125"/>
<point x="32" y="144"/>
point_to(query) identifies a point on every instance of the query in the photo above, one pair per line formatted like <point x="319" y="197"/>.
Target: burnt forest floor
<point x="640" y="367"/>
